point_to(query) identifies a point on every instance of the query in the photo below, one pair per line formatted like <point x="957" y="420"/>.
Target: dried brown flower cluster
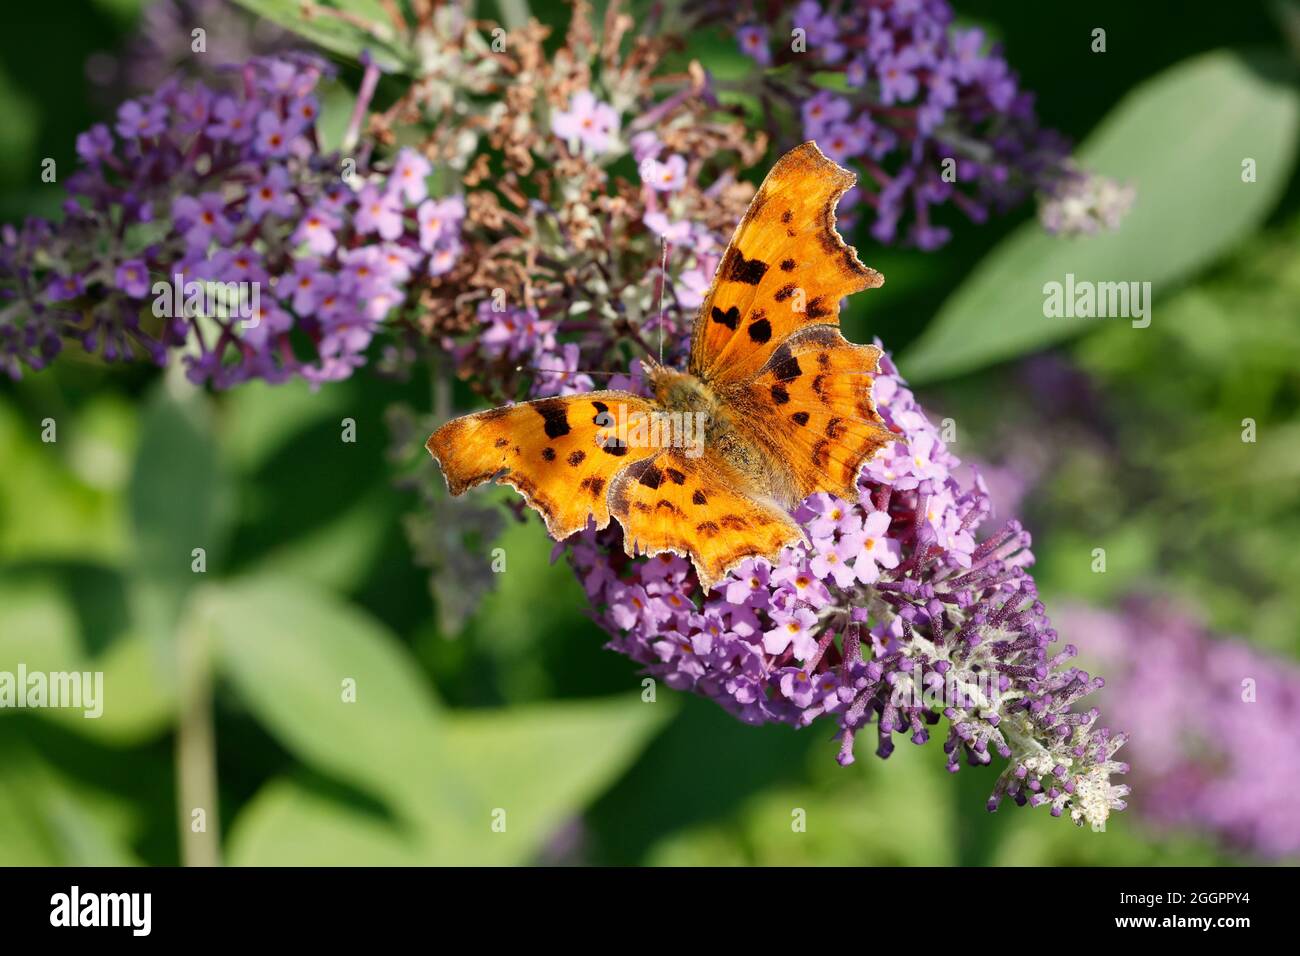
<point x="556" y="231"/>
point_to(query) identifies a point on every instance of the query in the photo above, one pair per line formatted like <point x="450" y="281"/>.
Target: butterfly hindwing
<point x="810" y="406"/>
<point x="786" y="267"/>
<point x="562" y="454"/>
<point x="694" y="506"/>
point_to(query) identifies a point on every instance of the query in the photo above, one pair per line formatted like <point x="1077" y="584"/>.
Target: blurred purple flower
<point x="1213" y="723"/>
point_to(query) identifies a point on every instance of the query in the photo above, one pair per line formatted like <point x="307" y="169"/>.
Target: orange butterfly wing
<point x="673" y="502"/>
<point x="811" y="408"/>
<point x="562" y="454"/>
<point x="785" y="268"/>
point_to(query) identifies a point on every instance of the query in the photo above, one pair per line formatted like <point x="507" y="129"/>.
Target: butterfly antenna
<point x="566" y="371"/>
<point x="663" y="279"/>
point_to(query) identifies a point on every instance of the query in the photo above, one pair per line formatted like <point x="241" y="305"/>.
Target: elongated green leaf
<point x="1181" y="139"/>
<point x="530" y="769"/>
<point x="295" y="654"/>
<point x="287" y="824"/>
<point x="179" y="505"/>
<point x="345" y="27"/>
<point x="332" y="685"/>
<point x="49" y="820"/>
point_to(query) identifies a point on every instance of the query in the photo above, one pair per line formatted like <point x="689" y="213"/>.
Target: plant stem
<point x="196" y="760"/>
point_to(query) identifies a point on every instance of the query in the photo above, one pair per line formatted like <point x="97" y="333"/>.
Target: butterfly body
<point x="724" y="433"/>
<point x="781" y="400"/>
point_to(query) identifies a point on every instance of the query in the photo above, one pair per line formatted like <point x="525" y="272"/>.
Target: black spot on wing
<point x="699" y="497"/>
<point x="651" y="476"/>
<point x="780" y="395"/>
<point x="787" y="265"/>
<point x="675" y="476"/>
<point x="577" y="458"/>
<point x="800" y="418"/>
<point x="760" y="331"/>
<point x="785" y="292"/>
<point x="784" y="366"/>
<point x="818" y="309"/>
<point x="739" y="269"/>
<point x="548" y="453"/>
<point x="552" y="412"/>
<point x="730" y="318"/>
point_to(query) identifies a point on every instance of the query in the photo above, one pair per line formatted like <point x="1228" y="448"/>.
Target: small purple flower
<point x="95" y="145"/>
<point x="793" y="630"/>
<point x="675" y="232"/>
<point x="439" y="220"/>
<point x="876" y="549"/>
<point x="898" y="80"/>
<point x="409" y="175"/>
<point x="753" y="43"/>
<point x="833" y="559"/>
<point x="233" y="120"/>
<point x="665" y="177"/>
<point x="587" y="121"/>
<point x="821" y="109"/>
<point x="379" y="212"/>
<point x="308" y="285"/>
<point x="202" y="220"/>
<point x="132" y="277"/>
<point x="275" y="136"/>
<point x="317" y="231"/>
<point x="843" y="141"/>
<point x="444" y="257"/>
<point x="135" y="120"/>
<point x="273" y="194"/>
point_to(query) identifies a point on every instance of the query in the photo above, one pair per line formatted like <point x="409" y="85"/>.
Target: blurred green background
<point x="231" y="682"/>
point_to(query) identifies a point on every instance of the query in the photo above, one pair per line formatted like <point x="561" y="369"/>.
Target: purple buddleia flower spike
<point x="900" y="612"/>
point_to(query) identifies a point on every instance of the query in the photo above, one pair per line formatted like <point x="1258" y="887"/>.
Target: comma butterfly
<point x="774" y="406"/>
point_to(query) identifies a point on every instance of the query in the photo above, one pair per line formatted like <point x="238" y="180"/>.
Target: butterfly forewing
<point x="785" y="268"/>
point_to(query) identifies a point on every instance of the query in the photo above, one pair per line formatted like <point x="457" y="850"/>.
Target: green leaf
<point x="288" y="648"/>
<point x="539" y="767"/>
<point x="345" y="27"/>
<point x="288" y="824"/>
<point x="258" y="420"/>
<point x="49" y="820"/>
<point x="39" y="629"/>
<point x="1180" y="139"/>
<point x="47" y="507"/>
<point x="338" y="552"/>
<point x="138" y="694"/>
<point x="529" y="769"/>
<point x="178" y="504"/>
<point x="294" y="652"/>
<point x="899" y="813"/>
